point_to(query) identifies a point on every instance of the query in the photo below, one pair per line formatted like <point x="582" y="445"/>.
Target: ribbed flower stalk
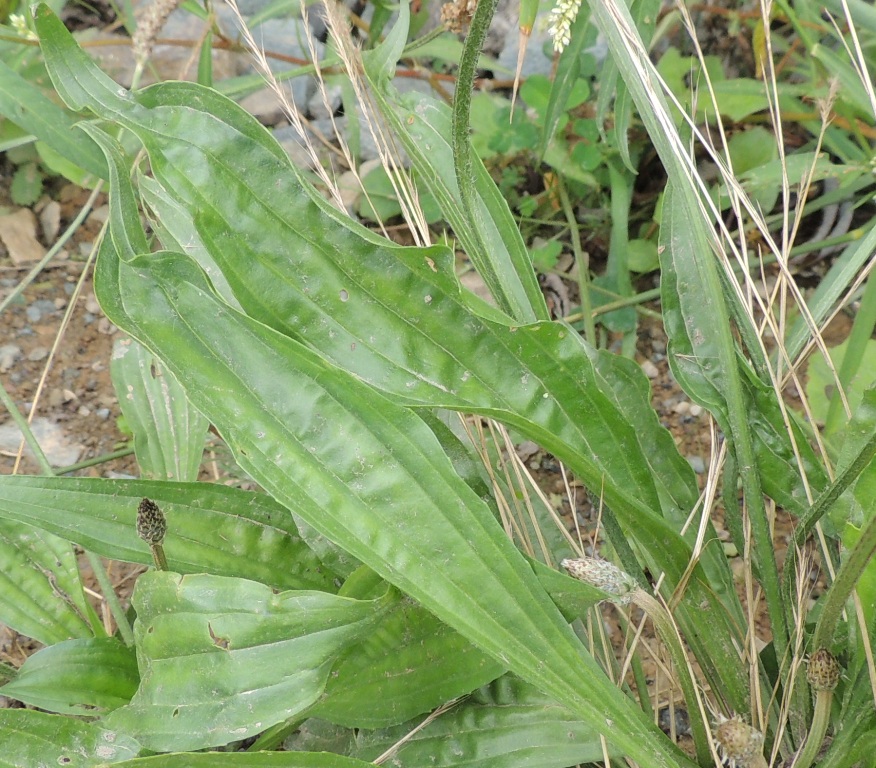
<point x="623" y="589"/>
<point x="823" y="674"/>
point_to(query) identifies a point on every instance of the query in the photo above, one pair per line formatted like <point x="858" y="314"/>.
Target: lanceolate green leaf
<point x="77" y="677"/>
<point x="396" y="317"/>
<point x="40" y="593"/>
<point x="246" y="760"/>
<point x="222" y="659"/>
<point x="704" y="312"/>
<point x="211" y="528"/>
<point x="35" y="738"/>
<point x="29" y="108"/>
<point x="423" y="125"/>
<point x="507" y="724"/>
<point x="168" y="433"/>
<point x="369" y="475"/>
<point x="353" y="297"/>
<point x="411" y="665"/>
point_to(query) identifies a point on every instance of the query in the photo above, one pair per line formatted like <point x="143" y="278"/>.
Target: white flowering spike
<point x="602" y="575"/>
<point x="563" y="14"/>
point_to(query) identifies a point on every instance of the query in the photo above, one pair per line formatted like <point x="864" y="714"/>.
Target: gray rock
<point x="38" y="309"/>
<point x="37" y="354"/>
<point x="59" y="449"/>
<point x="9" y="354"/>
<point x="697" y="463"/>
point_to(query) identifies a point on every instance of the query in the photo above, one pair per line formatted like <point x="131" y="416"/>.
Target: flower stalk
<point x="623" y="589"/>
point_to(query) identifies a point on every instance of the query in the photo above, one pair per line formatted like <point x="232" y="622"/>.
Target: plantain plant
<point x="371" y="581"/>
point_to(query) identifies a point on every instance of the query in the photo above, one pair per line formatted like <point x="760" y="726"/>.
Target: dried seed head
<point x="151" y="524"/>
<point x="457" y="14"/>
<point x="149" y="25"/>
<point x="823" y="672"/>
<point x="741" y="745"/>
<point x="602" y="575"/>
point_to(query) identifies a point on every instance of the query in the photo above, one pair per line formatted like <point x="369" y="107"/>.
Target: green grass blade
<point x="703" y="312"/>
<point x="25" y="105"/>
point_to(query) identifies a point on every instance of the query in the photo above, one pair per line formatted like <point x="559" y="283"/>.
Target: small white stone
<point x="695" y="410"/>
<point x="650" y="369"/>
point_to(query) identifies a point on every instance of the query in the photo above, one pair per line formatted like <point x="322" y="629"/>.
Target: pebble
<point x="99" y="215"/>
<point x="105" y="327"/>
<point x="681" y="408"/>
<point x="696" y="410"/>
<point x="650" y="369"/>
<point x="9" y="353"/>
<point x="36" y="310"/>
<point x="102" y="413"/>
<point x="697" y="463"/>
<point x="37" y="354"/>
<point x="50" y="220"/>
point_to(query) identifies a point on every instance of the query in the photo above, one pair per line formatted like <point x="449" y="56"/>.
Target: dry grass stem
<point x="290" y="109"/>
<point x="384" y="140"/>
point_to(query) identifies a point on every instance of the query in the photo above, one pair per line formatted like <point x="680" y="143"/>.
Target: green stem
<point x="112" y="599"/>
<point x="817" y="731"/>
<point x="862" y="331"/>
<point x="583" y="262"/>
<point x="823" y="504"/>
<point x="845" y="582"/>
<point x="507" y="289"/>
<point x="94" y="461"/>
<point x="158" y="557"/>
<point x="667" y="631"/>
<point x="617" y="269"/>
